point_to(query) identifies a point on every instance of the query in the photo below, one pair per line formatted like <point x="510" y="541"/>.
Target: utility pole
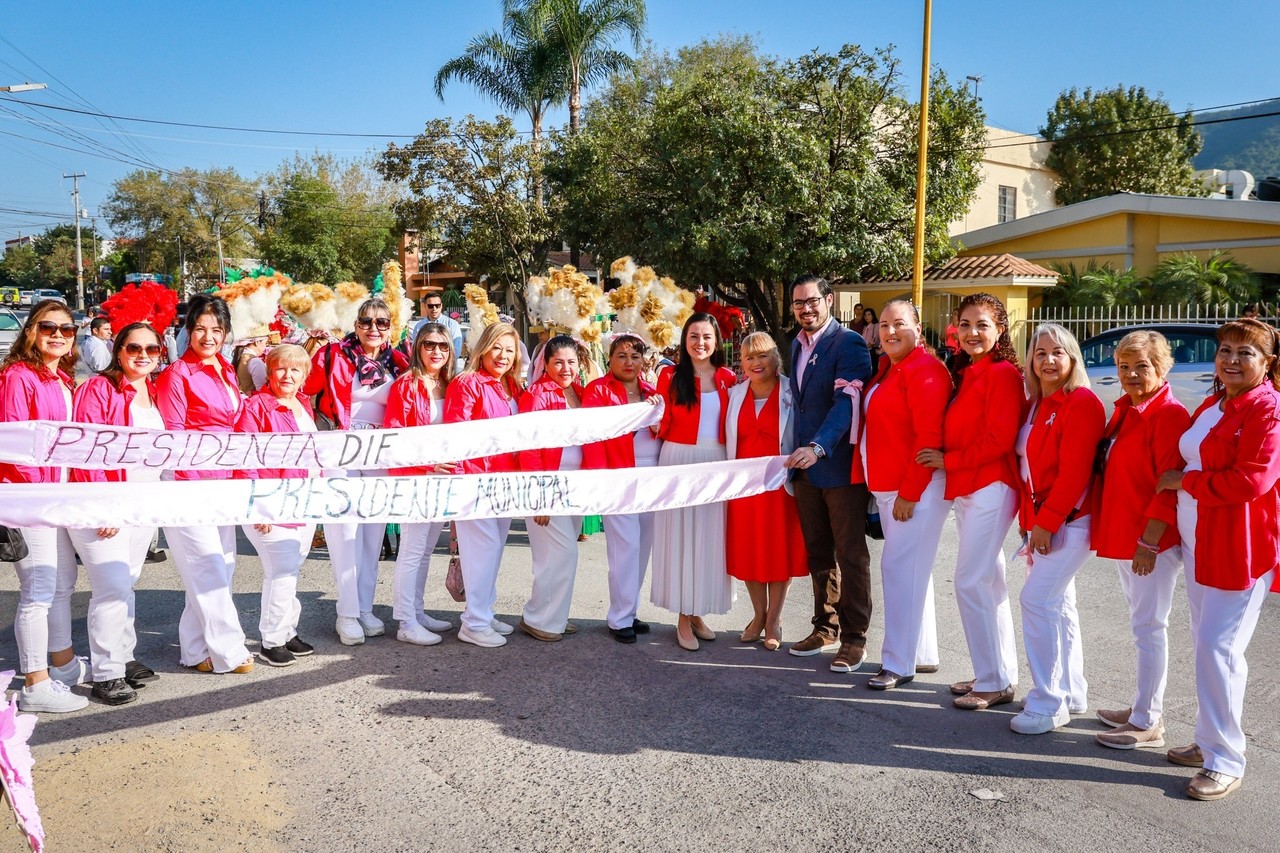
<point x="93" y="223"/>
<point x="75" y="195"/>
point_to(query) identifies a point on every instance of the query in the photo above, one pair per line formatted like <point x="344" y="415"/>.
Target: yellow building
<point x="1015" y="182"/>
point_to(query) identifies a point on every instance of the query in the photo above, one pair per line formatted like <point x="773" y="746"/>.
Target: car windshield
<point x="1189" y="347"/>
<point x="9" y="323"/>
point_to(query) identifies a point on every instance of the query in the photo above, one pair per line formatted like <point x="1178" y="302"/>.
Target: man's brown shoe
<point x="849" y="658"/>
<point x="963" y="688"/>
<point x="1187" y="756"/>
<point x="814" y="644"/>
<point x="1211" y="785"/>
<point x="538" y="633"/>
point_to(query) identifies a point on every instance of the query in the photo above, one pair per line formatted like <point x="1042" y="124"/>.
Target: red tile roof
<point x="586" y="264"/>
<point x="977" y="266"/>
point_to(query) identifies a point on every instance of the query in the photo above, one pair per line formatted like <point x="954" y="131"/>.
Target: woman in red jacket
<point x="417" y="399"/>
<point x="350" y="383"/>
<point x="903" y="411"/>
<point x="122" y="395"/>
<point x="628" y="538"/>
<point x="489" y="388"/>
<point x="199" y="392"/>
<point x="1227" y="518"/>
<point x="1058" y="444"/>
<point x="689" y="576"/>
<point x="980" y="434"/>
<point x="35" y="385"/>
<point x="553" y="540"/>
<point x="1137" y="528"/>
<point x="282" y="547"/>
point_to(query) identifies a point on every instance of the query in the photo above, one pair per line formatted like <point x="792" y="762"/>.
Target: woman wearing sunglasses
<point x="417" y="399"/>
<point x="35" y="385"/>
<point x="122" y="395"/>
<point x="199" y="392"/>
<point x="350" y="384"/>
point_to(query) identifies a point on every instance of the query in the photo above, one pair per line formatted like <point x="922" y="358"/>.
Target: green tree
<point x="20" y="268"/>
<point x="1120" y="140"/>
<point x="1217" y="280"/>
<point x="727" y="169"/>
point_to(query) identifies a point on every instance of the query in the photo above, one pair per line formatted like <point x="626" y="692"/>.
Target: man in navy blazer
<point x="833" y="511"/>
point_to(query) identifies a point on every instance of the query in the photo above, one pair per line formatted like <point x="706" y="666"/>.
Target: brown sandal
<point x="962" y="688"/>
<point x="976" y="701"/>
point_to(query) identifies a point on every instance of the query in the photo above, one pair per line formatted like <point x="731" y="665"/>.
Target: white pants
<point x="113" y="566"/>
<point x="982" y="521"/>
<point x="628" y="541"/>
<point x="906" y="571"/>
<point x="480" y="544"/>
<point x="417" y="542"/>
<point x="555" y="564"/>
<point x="210" y="626"/>
<point x="46" y="579"/>
<point x="1150" y="598"/>
<point x="1051" y="625"/>
<point x="354" y="550"/>
<point x="283" y="551"/>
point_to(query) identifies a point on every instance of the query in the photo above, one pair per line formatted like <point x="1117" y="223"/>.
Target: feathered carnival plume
<point x="392" y="292"/>
<point x="567" y="302"/>
<point x="254" y="301"/>
<point x="481" y="312"/>
<point x="728" y="318"/>
<point x="148" y="302"/>
<point x="16" y="762"/>
<point x="648" y="306"/>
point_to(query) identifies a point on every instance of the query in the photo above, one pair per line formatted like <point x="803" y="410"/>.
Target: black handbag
<point x="12" y="546"/>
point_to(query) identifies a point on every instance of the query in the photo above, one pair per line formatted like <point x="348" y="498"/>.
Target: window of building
<point x="1008" y="205"/>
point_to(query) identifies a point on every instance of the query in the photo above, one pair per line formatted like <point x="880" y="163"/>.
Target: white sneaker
<point x="433" y="624"/>
<point x="486" y="638"/>
<point x="51" y="696"/>
<point x="74" y="672"/>
<point x="372" y="625"/>
<point x="501" y="627"/>
<point x="1031" y="723"/>
<point x="349" y="631"/>
<point x="412" y="632"/>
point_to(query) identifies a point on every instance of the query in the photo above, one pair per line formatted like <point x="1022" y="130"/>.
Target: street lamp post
<point x="23" y="87"/>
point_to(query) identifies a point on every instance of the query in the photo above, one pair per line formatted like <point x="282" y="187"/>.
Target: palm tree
<point x="1218" y="280"/>
<point x="585" y="32"/>
<point x="519" y="68"/>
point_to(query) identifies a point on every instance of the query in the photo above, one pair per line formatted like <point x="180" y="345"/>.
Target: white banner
<point x="92" y="446"/>
<point x="403" y="500"/>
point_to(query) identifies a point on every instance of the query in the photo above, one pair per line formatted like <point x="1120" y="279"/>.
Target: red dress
<point x="764" y="543"/>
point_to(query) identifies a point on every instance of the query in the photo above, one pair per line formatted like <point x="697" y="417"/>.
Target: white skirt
<point x="689" y="573"/>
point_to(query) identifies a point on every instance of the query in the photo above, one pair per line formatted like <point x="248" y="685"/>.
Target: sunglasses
<point x="48" y="327"/>
<point x="382" y="323"/>
<point x="432" y="306"/>
<point x="153" y="350"/>
<point x="442" y="346"/>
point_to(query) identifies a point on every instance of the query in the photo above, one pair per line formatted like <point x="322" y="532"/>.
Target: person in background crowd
<point x="980" y="434"/>
<point x="35" y="384"/>
<point x="251" y="369"/>
<point x="951" y="340"/>
<point x="827" y="359"/>
<point x="904" y="409"/>
<point x="553" y="540"/>
<point x="628" y="538"/>
<point x="689" y="576"/>
<point x="417" y="399"/>
<point x="489" y="388"/>
<point x="282" y="547"/>
<point x="1227" y="520"/>
<point x="1058" y="444"/>
<point x="433" y="312"/>
<point x="764" y="547"/>
<point x="121" y="395"/>
<point x="858" y="324"/>
<point x="1251" y="311"/>
<point x="172" y="352"/>
<point x="350" y="384"/>
<point x="199" y="392"/>
<point x="871" y="334"/>
<point x="97" y="345"/>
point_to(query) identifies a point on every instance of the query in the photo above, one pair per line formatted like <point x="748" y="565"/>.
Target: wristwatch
<point x="817" y="450"/>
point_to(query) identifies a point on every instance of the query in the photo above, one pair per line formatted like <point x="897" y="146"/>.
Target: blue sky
<point x="367" y="68"/>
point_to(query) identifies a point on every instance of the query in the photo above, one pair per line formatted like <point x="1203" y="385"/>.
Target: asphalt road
<point x="588" y="744"/>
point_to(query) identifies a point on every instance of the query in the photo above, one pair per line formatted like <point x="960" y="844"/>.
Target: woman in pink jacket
<point x="417" y="399"/>
<point x="1227" y="519"/>
<point x="35" y="385"/>
<point x="122" y="395"/>
<point x="489" y="388"/>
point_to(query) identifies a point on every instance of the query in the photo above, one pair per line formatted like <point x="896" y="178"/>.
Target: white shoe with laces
<point x="485" y="638"/>
<point x="433" y="624"/>
<point x="1031" y="723"/>
<point x="50" y="696"/>
<point x="372" y="625"/>
<point x="412" y="632"/>
<point x="350" y="632"/>
<point x="501" y="627"/>
<point x="75" y="671"/>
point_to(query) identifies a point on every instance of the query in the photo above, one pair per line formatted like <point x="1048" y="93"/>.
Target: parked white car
<point x="1191" y="376"/>
<point x="10" y="326"/>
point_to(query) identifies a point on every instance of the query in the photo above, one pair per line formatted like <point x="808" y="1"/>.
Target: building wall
<point x="1009" y="162"/>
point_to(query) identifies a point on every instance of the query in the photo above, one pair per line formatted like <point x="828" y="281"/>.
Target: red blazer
<point x="1145" y="446"/>
<point x="1060" y="451"/>
<point x="336" y="399"/>
<point x="903" y="417"/>
<point x="477" y="396"/>
<point x="30" y="395"/>
<point x="545" y="395"/>
<point x="99" y="401"/>
<point x="680" y="423"/>
<point x="408" y="405"/>
<point x="1237" y="510"/>
<point x="191" y="396"/>
<point x="617" y="452"/>
<point x="980" y="433"/>
<point x="263" y="412"/>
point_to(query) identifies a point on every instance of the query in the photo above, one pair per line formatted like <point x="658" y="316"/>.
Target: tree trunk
<point x="535" y="143"/>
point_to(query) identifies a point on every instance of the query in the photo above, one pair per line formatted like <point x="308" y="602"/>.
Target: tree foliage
<point x="728" y="169"/>
<point x="1216" y="280"/>
<point x="1120" y="140"/>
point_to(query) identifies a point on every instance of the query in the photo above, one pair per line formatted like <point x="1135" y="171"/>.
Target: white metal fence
<point x="1087" y="321"/>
